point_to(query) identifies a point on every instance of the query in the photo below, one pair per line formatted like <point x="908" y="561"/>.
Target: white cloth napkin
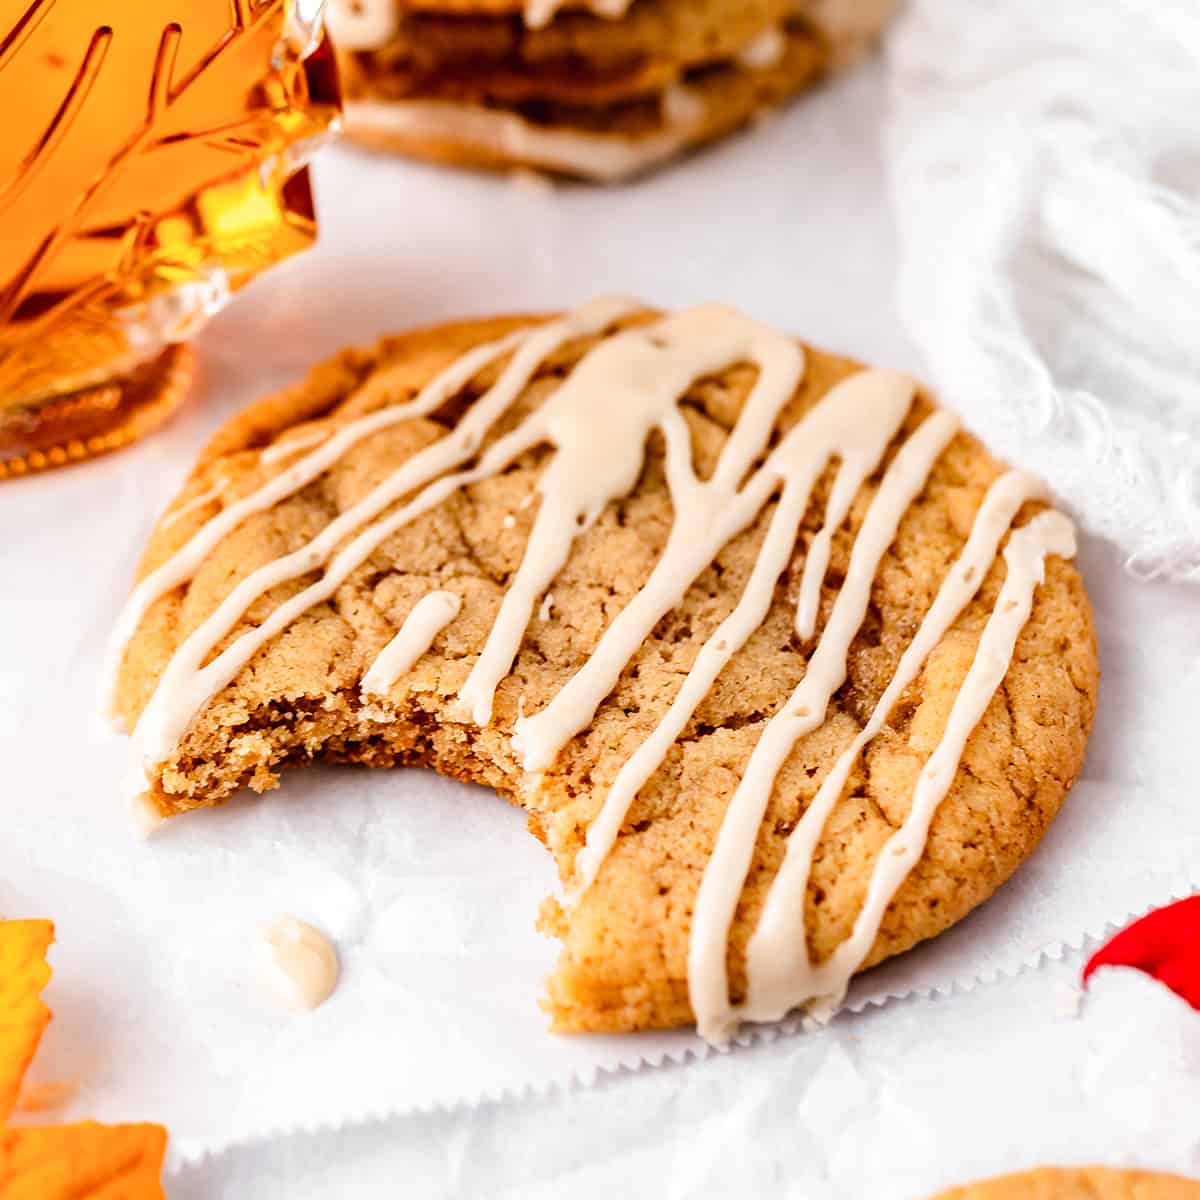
<point x="1045" y="175"/>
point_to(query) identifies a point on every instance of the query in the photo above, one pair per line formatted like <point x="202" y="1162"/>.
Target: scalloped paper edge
<point x="184" y="1156"/>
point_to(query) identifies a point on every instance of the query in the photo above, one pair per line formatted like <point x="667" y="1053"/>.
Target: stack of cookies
<point x="599" y="89"/>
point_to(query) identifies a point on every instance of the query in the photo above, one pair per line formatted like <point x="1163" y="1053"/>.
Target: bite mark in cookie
<point x="785" y="502"/>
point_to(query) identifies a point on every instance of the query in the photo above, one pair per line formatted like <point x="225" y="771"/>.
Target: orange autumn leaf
<point x="59" y="1162"/>
<point x="23" y="973"/>
<point x="82" y="1162"/>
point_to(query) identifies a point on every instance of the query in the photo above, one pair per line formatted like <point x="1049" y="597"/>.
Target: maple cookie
<point x="599" y="90"/>
<point x="787" y="672"/>
<point x="1078" y="1183"/>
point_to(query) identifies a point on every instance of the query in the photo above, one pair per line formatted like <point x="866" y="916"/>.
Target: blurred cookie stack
<point x="600" y="89"/>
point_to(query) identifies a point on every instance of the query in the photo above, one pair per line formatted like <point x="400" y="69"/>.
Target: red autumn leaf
<point x="1164" y="943"/>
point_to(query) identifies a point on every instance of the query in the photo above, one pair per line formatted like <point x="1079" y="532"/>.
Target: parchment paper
<point x="431" y="888"/>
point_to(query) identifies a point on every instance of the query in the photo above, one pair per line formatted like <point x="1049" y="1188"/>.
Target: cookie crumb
<point x="551" y="920"/>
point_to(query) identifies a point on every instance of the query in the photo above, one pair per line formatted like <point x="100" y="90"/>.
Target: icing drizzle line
<point x="430" y="615"/>
<point x="531" y="347"/>
<point x="597" y="423"/>
<point x="780" y="974"/>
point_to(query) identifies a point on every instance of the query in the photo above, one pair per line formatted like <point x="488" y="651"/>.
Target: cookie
<point x="1078" y="1183"/>
<point x="787" y="672"/>
<point x="583" y="95"/>
<point x="603" y="145"/>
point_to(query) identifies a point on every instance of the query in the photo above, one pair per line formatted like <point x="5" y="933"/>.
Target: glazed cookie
<point x="582" y="94"/>
<point x="787" y="672"/>
<point x="1078" y="1183"/>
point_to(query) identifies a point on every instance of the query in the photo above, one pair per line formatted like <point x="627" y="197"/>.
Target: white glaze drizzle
<point x="597" y="423"/>
<point x="430" y="615"/>
<point x="1025" y="557"/>
<point x="209" y="496"/>
<point x="288" y="446"/>
<point x="182" y="565"/>
<point x="301" y="964"/>
<point x="185" y="686"/>
<point x="878" y="401"/>
<point x="801" y="713"/>
<point x="778" y="966"/>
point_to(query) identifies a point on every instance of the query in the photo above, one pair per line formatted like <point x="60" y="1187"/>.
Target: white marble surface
<point x="790" y="223"/>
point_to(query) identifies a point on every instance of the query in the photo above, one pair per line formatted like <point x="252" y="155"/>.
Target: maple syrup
<point x="151" y="163"/>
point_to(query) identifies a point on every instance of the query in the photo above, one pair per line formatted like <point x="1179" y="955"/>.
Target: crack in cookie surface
<point x="626" y="938"/>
